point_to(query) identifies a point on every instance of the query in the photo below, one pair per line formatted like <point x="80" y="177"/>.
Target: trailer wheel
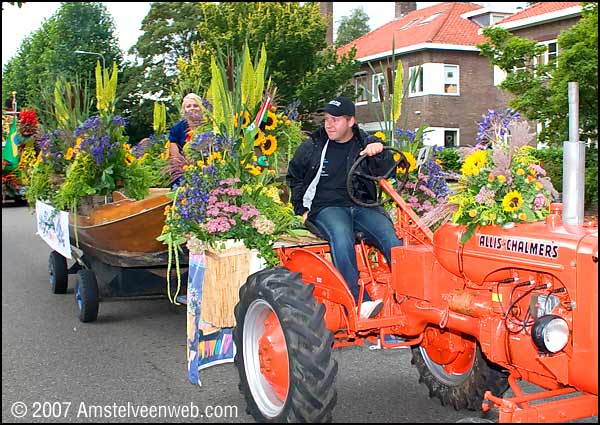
<point x="58" y="273"/>
<point x="457" y="378"/>
<point x="86" y="295"/>
<point x="284" y="349"/>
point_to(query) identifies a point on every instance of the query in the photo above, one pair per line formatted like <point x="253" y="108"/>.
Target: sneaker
<point x="370" y="309"/>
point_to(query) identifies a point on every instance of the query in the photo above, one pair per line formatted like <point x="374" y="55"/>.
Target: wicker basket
<point x="226" y="271"/>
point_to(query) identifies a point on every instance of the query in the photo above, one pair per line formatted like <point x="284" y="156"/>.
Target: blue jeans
<point x="338" y="225"/>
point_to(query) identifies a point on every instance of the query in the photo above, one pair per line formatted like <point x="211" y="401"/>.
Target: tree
<point x="540" y="90"/>
<point x="169" y="31"/>
<point x="49" y="52"/>
<point x="353" y="26"/>
<point x="299" y="63"/>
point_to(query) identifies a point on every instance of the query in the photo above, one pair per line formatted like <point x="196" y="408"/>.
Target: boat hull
<point x="123" y="232"/>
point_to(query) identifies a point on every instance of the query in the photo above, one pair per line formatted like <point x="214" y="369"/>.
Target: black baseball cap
<point x="339" y="106"/>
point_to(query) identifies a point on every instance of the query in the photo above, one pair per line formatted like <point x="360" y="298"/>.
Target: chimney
<point x="326" y="9"/>
<point x="402" y="8"/>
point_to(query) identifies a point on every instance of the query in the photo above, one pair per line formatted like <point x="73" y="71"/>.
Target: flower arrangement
<point x="229" y="188"/>
<point x="501" y="181"/>
<point x="93" y="158"/>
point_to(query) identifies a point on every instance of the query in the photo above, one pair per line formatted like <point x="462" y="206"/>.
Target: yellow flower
<point x="501" y="178"/>
<point x="491" y="216"/>
<point x="167" y="209"/>
<point x="126" y="147"/>
<point x="258" y="139"/>
<point x="78" y="142"/>
<point x="522" y="216"/>
<point x="129" y="159"/>
<point x="530" y="179"/>
<point x="255" y="171"/>
<point x="271" y="123"/>
<point x="490" y="177"/>
<point x="411" y="160"/>
<point x="473" y="163"/>
<point x="520" y="171"/>
<point x="269" y="145"/>
<point x="380" y="135"/>
<point x="538" y="185"/>
<point x="472" y="213"/>
<point x="69" y="154"/>
<point x="512" y="201"/>
<point x="246" y="122"/>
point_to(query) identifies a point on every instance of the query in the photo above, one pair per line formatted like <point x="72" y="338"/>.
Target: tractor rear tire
<point x="284" y="349"/>
<point x="460" y="390"/>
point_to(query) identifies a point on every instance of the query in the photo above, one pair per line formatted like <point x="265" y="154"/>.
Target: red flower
<point x="28" y="121"/>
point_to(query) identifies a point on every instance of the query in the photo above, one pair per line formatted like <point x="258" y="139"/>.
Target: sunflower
<point x="473" y="163"/>
<point x="271" y="123"/>
<point x="269" y="145"/>
<point x="246" y="122"/>
<point x="512" y="201"/>
<point x="411" y="160"/>
<point x="259" y="138"/>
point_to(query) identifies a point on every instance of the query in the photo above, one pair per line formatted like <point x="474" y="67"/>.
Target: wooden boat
<point x="123" y="232"/>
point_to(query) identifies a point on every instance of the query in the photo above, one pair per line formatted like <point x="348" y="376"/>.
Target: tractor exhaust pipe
<point x="573" y="189"/>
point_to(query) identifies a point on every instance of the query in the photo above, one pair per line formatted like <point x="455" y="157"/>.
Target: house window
<point x="551" y="54"/>
<point x="451" y="79"/>
<point x="450" y="138"/>
<point x="360" y="87"/>
<point x="431" y="18"/>
<point x="377" y="80"/>
<point x="415" y="80"/>
<point x="410" y="24"/>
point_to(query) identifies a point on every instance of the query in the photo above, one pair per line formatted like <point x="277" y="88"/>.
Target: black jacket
<point x="306" y="161"/>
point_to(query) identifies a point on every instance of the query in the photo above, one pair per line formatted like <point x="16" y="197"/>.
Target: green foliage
<point x="315" y="72"/>
<point x="450" y="159"/>
<point x="49" y="52"/>
<point x="551" y="159"/>
<point x="353" y="26"/>
<point x="168" y="33"/>
<point x="541" y="92"/>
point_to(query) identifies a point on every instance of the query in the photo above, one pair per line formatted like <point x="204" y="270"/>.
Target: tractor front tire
<point x="284" y="349"/>
<point x="460" y="387"/>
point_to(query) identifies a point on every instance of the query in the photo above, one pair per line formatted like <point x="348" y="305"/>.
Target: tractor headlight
<point x="550" y="333"/>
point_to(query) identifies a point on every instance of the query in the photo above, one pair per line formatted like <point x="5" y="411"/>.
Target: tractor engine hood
<point x="492" y="251"/>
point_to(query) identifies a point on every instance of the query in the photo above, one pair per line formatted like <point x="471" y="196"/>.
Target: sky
<point x="18" y="23"/>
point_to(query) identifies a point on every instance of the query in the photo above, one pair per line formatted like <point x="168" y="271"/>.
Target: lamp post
<point x="82" y="52"/>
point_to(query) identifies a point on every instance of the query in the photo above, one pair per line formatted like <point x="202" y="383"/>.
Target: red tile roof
<point x="447" y="28"/>
<point x="538" y="9"/>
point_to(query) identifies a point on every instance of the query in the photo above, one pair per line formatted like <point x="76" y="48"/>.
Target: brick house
<point x="455" y="85"/>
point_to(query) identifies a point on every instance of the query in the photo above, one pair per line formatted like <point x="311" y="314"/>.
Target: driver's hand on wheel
<point x="372" y="149"/>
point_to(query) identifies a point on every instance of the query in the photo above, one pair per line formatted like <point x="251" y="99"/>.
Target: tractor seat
<point x="312" y="228"/>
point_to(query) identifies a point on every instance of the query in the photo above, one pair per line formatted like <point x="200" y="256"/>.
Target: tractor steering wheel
<point x="356" y="173"/>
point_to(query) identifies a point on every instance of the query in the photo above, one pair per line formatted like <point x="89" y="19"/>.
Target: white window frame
<point x="456" y="79"/>
<point x="546" y="55"/>
<point x="418" y="88"/>
<point x="376" y="79"/>
<point x="360" y="80"/>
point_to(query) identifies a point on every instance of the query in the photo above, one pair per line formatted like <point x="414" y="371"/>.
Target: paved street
<point x="134" y="356"/>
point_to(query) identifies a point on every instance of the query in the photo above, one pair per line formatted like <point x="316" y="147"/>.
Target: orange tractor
<point x="509" y="305"/>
